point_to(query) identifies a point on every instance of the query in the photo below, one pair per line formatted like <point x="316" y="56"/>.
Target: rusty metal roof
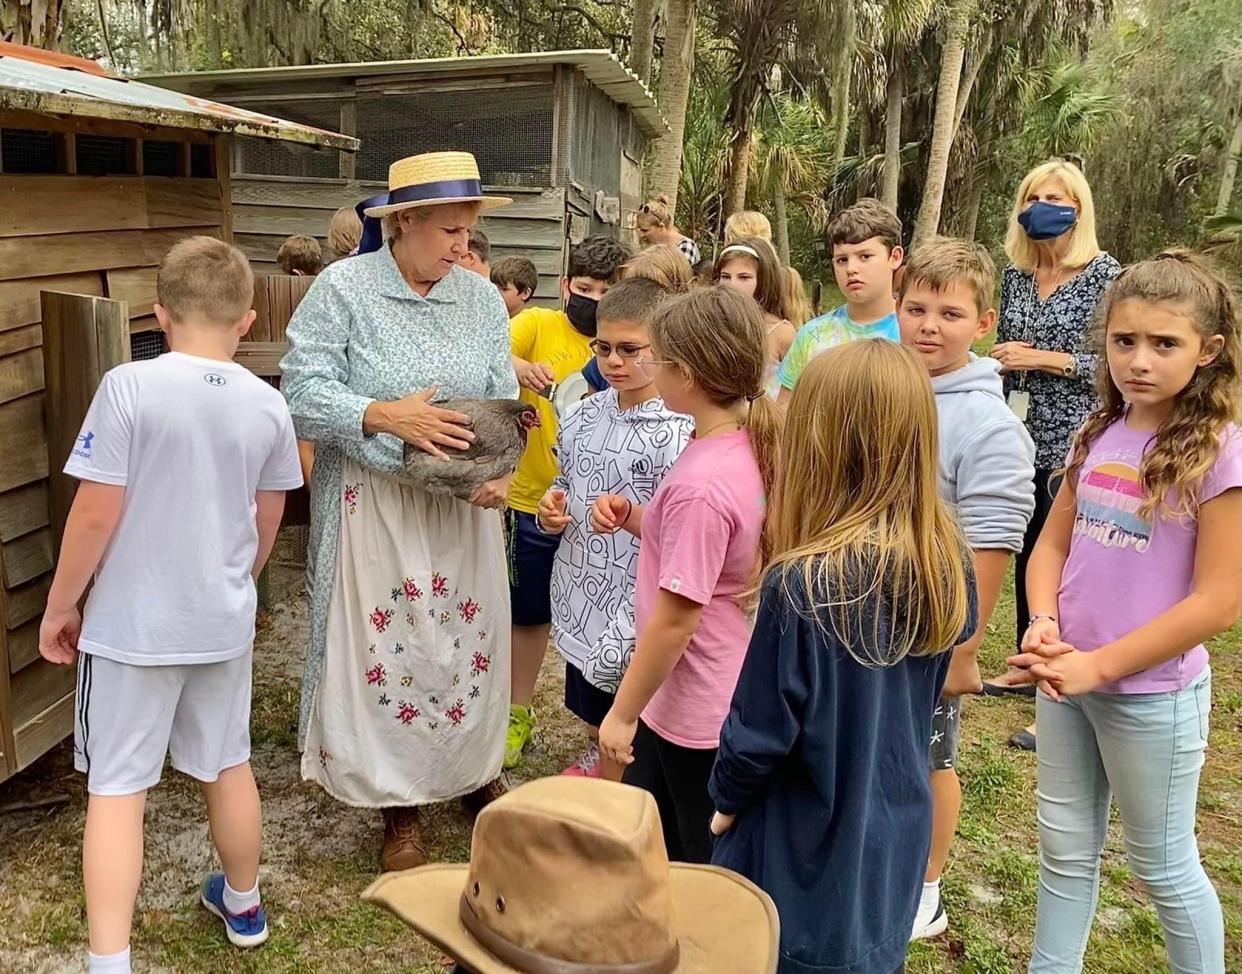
<point x="55" y="84"/>
<point x="601" y="68"/>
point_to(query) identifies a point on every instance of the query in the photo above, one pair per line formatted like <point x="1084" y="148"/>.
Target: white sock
<point x="109" y="963"/>
<point x="930" y="899"/>
<point x="236" y="902"/>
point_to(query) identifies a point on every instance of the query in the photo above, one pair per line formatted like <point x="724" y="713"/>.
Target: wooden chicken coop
<point x="562" y="132"/>
<point x="98" y="178"/>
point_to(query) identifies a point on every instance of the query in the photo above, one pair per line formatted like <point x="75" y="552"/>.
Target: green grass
<point x="319" y="855"/>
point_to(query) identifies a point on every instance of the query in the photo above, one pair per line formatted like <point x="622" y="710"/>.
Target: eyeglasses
<point x="649" y="366"/>
<point x="627" y="350"/>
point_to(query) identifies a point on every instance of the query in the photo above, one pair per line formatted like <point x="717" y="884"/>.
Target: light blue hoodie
<point x="987" y="459"/>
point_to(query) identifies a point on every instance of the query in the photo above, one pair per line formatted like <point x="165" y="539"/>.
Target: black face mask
<point x="581" y="312"/>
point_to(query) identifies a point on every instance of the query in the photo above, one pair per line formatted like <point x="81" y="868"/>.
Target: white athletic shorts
<point x="129" y="717"/>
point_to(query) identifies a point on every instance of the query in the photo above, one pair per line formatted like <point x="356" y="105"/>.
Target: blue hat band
<point x="442" y="189"/>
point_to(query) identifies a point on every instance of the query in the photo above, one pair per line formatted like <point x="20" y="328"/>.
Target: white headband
<point x="741" y="249"/>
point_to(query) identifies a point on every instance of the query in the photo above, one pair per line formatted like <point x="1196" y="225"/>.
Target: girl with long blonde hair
<point x="701" y="545"/>
<point x="822" y="767"/>
<point x="1139" y="564"/>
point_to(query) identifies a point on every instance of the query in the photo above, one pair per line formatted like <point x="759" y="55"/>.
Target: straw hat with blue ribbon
<point x="432" y="179"/>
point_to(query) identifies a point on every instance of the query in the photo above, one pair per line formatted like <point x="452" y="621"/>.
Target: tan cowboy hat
<point x="434" y="178"/>
<point x="569" y="876"/>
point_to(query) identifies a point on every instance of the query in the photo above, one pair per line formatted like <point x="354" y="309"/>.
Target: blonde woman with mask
<point x="1049" y="294"/>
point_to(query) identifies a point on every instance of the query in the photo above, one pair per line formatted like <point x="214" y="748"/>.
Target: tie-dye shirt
<point x="1123" y="569"/>
<point x="829" y="330"/>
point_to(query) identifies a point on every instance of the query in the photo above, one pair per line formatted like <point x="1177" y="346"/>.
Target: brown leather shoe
<point x="480" y="798"/>
<point x="403" y="841"/>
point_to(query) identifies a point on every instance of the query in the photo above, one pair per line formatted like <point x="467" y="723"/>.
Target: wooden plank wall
<point x="101" y="236"/>
<point x="267" y="209"/>
<point x="84" y="337"/>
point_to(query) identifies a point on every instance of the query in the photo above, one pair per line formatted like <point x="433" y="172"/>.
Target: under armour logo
<point x="83" y="447"/>
<point x="215" y="380"/>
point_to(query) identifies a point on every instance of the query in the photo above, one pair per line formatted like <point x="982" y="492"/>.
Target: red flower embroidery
<point x="377" y="675"/>
<point x="479" y="664"/>
<point x="457" y="712"/>
<point x="380" y="618"/>
<point x="351" y="497"/>
<point x="407" y="712"/>
<point x="468" y="609"/>
<point x="439" y="585"/>
<point x="412" y="592"/>
<point x="324" y="758"/>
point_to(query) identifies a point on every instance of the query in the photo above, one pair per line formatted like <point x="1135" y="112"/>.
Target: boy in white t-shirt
<point x="183" y="462"/>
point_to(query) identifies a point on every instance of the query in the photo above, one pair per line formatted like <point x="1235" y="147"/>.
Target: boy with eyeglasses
<point x="621" y="441"/>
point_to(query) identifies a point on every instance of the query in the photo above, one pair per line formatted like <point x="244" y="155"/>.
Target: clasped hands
<point x="1058" y="668"/>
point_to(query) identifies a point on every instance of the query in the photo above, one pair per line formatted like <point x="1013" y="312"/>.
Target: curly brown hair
<point x="1187" y="443"/>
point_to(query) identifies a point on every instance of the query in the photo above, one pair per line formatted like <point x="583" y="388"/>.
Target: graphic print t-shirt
<point x="1125" y="569"/>
<point x="828" y="331"/>
<point x="191" y="440"/>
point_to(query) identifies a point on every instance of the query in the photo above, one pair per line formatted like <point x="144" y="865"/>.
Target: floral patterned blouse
<point x="1060" y="323"/>
<point x="362" y="334"/>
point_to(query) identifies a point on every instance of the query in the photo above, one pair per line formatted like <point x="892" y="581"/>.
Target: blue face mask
<point x="1044" y="221"/>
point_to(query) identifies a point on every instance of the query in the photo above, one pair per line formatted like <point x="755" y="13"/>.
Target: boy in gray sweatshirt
<point x="987" y="468"/>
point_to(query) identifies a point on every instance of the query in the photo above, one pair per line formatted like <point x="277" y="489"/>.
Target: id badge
<point x="1019" y="402"/>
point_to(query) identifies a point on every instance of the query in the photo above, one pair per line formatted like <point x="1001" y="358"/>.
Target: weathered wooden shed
<point x="98" y="178"/>
<point x="563" y="132"/>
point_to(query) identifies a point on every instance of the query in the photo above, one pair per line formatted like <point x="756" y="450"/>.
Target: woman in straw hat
<point x="406" y="689"/>
<point x="571" y="875"/>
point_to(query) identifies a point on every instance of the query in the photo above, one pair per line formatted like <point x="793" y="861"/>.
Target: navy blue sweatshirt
<point x="825" y="763"/>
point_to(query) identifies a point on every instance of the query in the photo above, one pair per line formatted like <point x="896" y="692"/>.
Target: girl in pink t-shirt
<point x="1138" y="564"/>
<point x="701" y="538"/>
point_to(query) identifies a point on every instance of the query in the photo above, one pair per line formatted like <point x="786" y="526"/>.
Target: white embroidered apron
<point x="413" y="704"/>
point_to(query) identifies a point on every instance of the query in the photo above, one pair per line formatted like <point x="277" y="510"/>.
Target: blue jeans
<point x="1147" y="751"/>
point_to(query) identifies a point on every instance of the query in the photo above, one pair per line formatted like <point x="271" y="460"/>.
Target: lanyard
<point x="1041" y="309"/>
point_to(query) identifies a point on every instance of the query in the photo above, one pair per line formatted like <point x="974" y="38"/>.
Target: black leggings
<point x="1047" y="483"/>
<point x="677" y="777"/>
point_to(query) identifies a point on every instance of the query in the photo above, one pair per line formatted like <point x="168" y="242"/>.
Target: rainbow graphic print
<point x="1109" y="496"/>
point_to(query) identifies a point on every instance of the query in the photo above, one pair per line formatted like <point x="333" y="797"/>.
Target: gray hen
<point x="499" y="426"/>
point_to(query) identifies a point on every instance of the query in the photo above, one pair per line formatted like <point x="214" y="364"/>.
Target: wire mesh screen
<point x="104" y="155"/>
<point x="145" y="345"/>
<point x="595" y="139"/>
<point x="268" y="158"/>
<point x="160" y="158"/>
<point x="27" y="151"/>
<point x="509" y="130"/>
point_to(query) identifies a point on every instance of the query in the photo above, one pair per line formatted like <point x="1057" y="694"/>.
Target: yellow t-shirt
<point x="542" y="335"/>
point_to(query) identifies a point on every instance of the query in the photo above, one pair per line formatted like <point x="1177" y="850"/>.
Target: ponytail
<point x="718" y="336"/>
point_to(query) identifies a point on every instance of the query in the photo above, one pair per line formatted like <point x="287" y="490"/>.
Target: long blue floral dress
<point x="406" y="686"/>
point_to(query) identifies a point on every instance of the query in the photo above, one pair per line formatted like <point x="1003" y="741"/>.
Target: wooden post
<point x="83" y="337"/>
<point x="67" y="154"/>
<point x="348" y="126"/>
<point x="8" y="757"/>
<point x="224" y="180"/>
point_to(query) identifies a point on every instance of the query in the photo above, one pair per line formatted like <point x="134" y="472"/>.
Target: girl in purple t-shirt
<point x="1139" y="563"/>
<point x="701" y="538"/>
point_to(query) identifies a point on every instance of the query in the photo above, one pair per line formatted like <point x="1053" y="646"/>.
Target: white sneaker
<point x="926" y="927"/>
